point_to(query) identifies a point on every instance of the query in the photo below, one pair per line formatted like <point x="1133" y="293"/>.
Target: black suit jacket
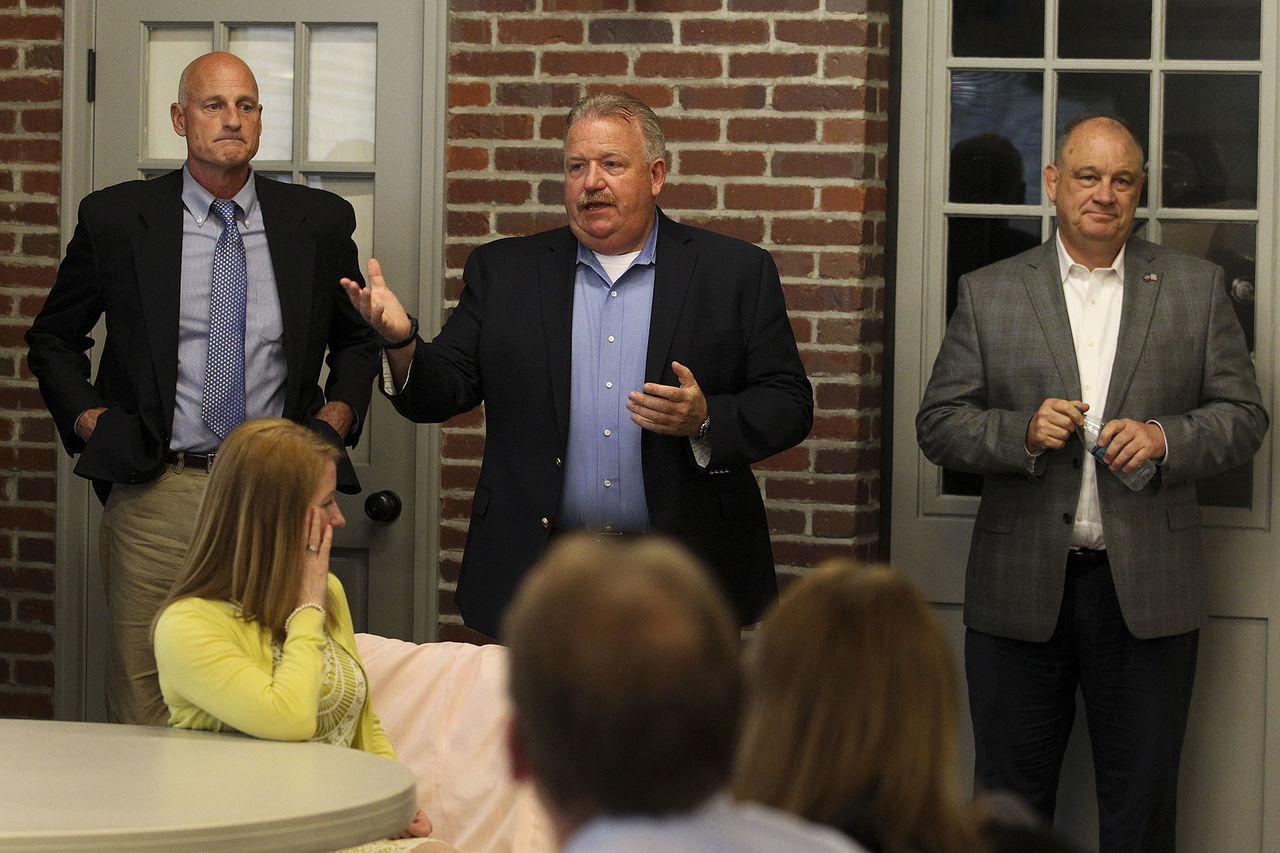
<point x="124" y="263"/>
<point x="717" y="308"/>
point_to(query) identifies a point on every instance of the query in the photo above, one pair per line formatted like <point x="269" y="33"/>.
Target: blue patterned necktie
<point x="223" y="404"/>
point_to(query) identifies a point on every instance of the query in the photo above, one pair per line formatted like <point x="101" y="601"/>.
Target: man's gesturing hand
<point x="1053" y="423"/>
<point x="667" y="409"/>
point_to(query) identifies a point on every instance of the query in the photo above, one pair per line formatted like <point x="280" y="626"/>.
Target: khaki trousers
<point x="143" y="542"/>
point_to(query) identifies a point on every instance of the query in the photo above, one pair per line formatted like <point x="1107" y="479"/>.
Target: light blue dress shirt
<point x="603" y="478"/>
<point x="265" y="370"/>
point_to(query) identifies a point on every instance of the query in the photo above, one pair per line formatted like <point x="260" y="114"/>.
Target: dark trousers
<point x="1137" y="693"/>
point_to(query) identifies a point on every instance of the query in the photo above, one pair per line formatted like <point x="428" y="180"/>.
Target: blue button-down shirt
<point x="603" y="479"/>
<point x="264" y="363"/>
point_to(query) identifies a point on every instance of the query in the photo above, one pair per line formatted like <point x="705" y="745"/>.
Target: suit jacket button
<point x="133" y="476"/>
<point x="546" y="522"/>
<point x="1066" y="518"/>
<point x="1075" y="463"/>
<point x="559" y="462"/>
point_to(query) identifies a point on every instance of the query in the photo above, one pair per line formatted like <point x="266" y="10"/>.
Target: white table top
<point x="94" y="786"/>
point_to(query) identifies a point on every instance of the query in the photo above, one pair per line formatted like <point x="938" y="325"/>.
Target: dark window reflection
<point x="1212" y="29"/>
<point x="1104" y="29"/>
<point x="1122" y="94"/>
<point x="1003" y="104"/>
<point x="1211" y="140"/>
<point x="997" y="28"/>
<point x="974" y="242"/>
<point x="1233" y="246"/>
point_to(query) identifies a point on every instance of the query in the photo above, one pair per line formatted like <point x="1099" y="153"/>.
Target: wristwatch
<point x="704" y="429"/>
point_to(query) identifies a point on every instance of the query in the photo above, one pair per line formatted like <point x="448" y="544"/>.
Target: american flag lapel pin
<point x="1151" y="277"/>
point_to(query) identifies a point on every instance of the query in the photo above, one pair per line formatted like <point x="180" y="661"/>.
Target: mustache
<point x="597" y="197"/>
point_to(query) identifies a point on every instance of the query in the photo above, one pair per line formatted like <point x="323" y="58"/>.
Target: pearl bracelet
<point x="301" y="607"/>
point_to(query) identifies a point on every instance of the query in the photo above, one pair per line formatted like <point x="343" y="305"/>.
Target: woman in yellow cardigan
<point x="256" y="634"/>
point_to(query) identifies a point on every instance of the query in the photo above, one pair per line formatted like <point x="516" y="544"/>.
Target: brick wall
<point x="30" y="150"/>
<point x="777" y="127"/>
<point x="775" y="112"/>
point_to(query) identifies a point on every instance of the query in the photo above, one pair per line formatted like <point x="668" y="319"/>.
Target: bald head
<point x="624" y="676"/>
<point x="213" y="62"/>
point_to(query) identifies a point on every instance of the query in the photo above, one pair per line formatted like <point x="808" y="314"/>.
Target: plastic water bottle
<point x="1135" y="479"/>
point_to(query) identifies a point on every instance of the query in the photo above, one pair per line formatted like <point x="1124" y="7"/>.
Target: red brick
<point x="33" y="673"/>
<point x="767" y="197"/>
<point x="837" y="65"/>
<point x="469" y="30"/>
<point x="44" y="57"/>
<point x="8" y="57"/>
<point x="32" y="28"/>
<point x="40" y="182"/>
<point x="583" y="63"/>
<point x="678" y="5"/>
<point x="847" y="265"/>
<point x="656" y="95"/>
<point x="773" y="66"/>
<point x="540" y="30"/>
<point x="849" y="331"/>
<point x="463" y="223"/>
<point x="38" y="610"/>
<point x="859" y="199"/>
<point x="8" y="121"/>
<point x="825" y="297"/>
<point x="544" y="160"/>
<point x="794" y="459"/>
<point x="30" y="89"/>
<point x="854" y="131"/>
<point x="472" y="94"/>
<point x="30" y="305"/>
<point x="682" y="129"/>
<point x="25" y="641"/>
<point x="16" y="703"/>
<point x="736" y="32"/>
<point x="687" y="196"/>
<point x="32" y="213"/>
<point x="793" y="264"/>
<point x="833" y="524"/>
<point x="43" y="489"/>
<point x="584" y="5"/>
<point x="721" y="163"/>
<point x="786" y="522"/>
<point x="490" y="126"/>
<point x="846" y="427"/>
<point x="672" y="64"/>
<point x="822" y="164"/>
<point x="466" y="159"/>
<point x="630" y="31"/>
<point x="807" y="98"/>
<point x="845" y="460"/>
<point x="473" y="419"/>
<point x="519" y="224"/>
<point x="31" y="519"/>
<point x="8" y="241"/>
<point x="552" y="126"/>
<point x="465" y="191"/>
<point x="454" y="476"/>
<point x="751" y="130"/>
<point x="833" y="395"/>
<point x="809" y="232"/>
<point x="17" y="274"/>
<point x="722" y="97"/>
<point x="823" y="32"/>
<point x="506" y="63"/>
<point x="772" y="5"/>
<point x="749" y="229"/>
<point x="14" y="151"/>
<point x="560" y="95"/>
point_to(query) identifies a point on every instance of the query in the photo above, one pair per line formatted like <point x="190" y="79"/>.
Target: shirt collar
<point x="196" y="199"/>
<point x="648" y="254"/>
<point x="1065" y="263"/>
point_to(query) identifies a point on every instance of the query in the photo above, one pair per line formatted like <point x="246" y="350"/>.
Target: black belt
<point x="1086" y="557"/>
<point x="599" y="535"/>
<point x="195" y="461"/>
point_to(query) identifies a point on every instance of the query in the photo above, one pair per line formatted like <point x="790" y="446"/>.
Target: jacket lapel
<point x="673" y="270"/>
<point x="1043" y="282"/>
<point x="557" y="268"/>
<point x="158" y="268"/>
<point x="292" y="261"/>
<point x="1141" y="287"/>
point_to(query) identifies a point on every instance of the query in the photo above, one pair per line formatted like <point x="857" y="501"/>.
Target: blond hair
<point x="248" y="540"/>
<point x="852" y="713"/>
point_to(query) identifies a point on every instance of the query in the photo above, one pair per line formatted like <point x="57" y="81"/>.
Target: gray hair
<point x="628" y="108"/>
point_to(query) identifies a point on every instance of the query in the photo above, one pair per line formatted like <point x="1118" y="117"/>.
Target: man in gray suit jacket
<point x="1074" y="579"/>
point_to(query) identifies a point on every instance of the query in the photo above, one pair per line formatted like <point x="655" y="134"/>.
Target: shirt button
<point x="608" y="384"/>
<point x="608" y="483"/>
<point x="613" y="293"/>
<point x="611" y="339"/>
<point x="1079" y="518"/>
<point x="608" y="432"/>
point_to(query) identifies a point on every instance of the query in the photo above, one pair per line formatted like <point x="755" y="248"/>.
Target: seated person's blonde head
<point x="852" y="713"/>
<point x="250" y="527"/>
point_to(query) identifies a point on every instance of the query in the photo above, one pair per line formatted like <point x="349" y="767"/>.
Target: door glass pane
<point x="1233" y="246"/>
<point x="1211" y="140"/>
<point x="988" y="169"/>
<point x="169" y="50"/>
<point x="1125" y="95"/>
<point x="1104" y="29"/>
<point x="340" y="97"/>
<point x="359" y="191"/>
<point x="997" y="28"/>
<point x="997" y="109"/>
<point x="1212" y="29"/>
<point x="269" y="52"/>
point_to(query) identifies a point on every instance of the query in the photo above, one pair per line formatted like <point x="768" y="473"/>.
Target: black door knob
<point x="383" y="506"/>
